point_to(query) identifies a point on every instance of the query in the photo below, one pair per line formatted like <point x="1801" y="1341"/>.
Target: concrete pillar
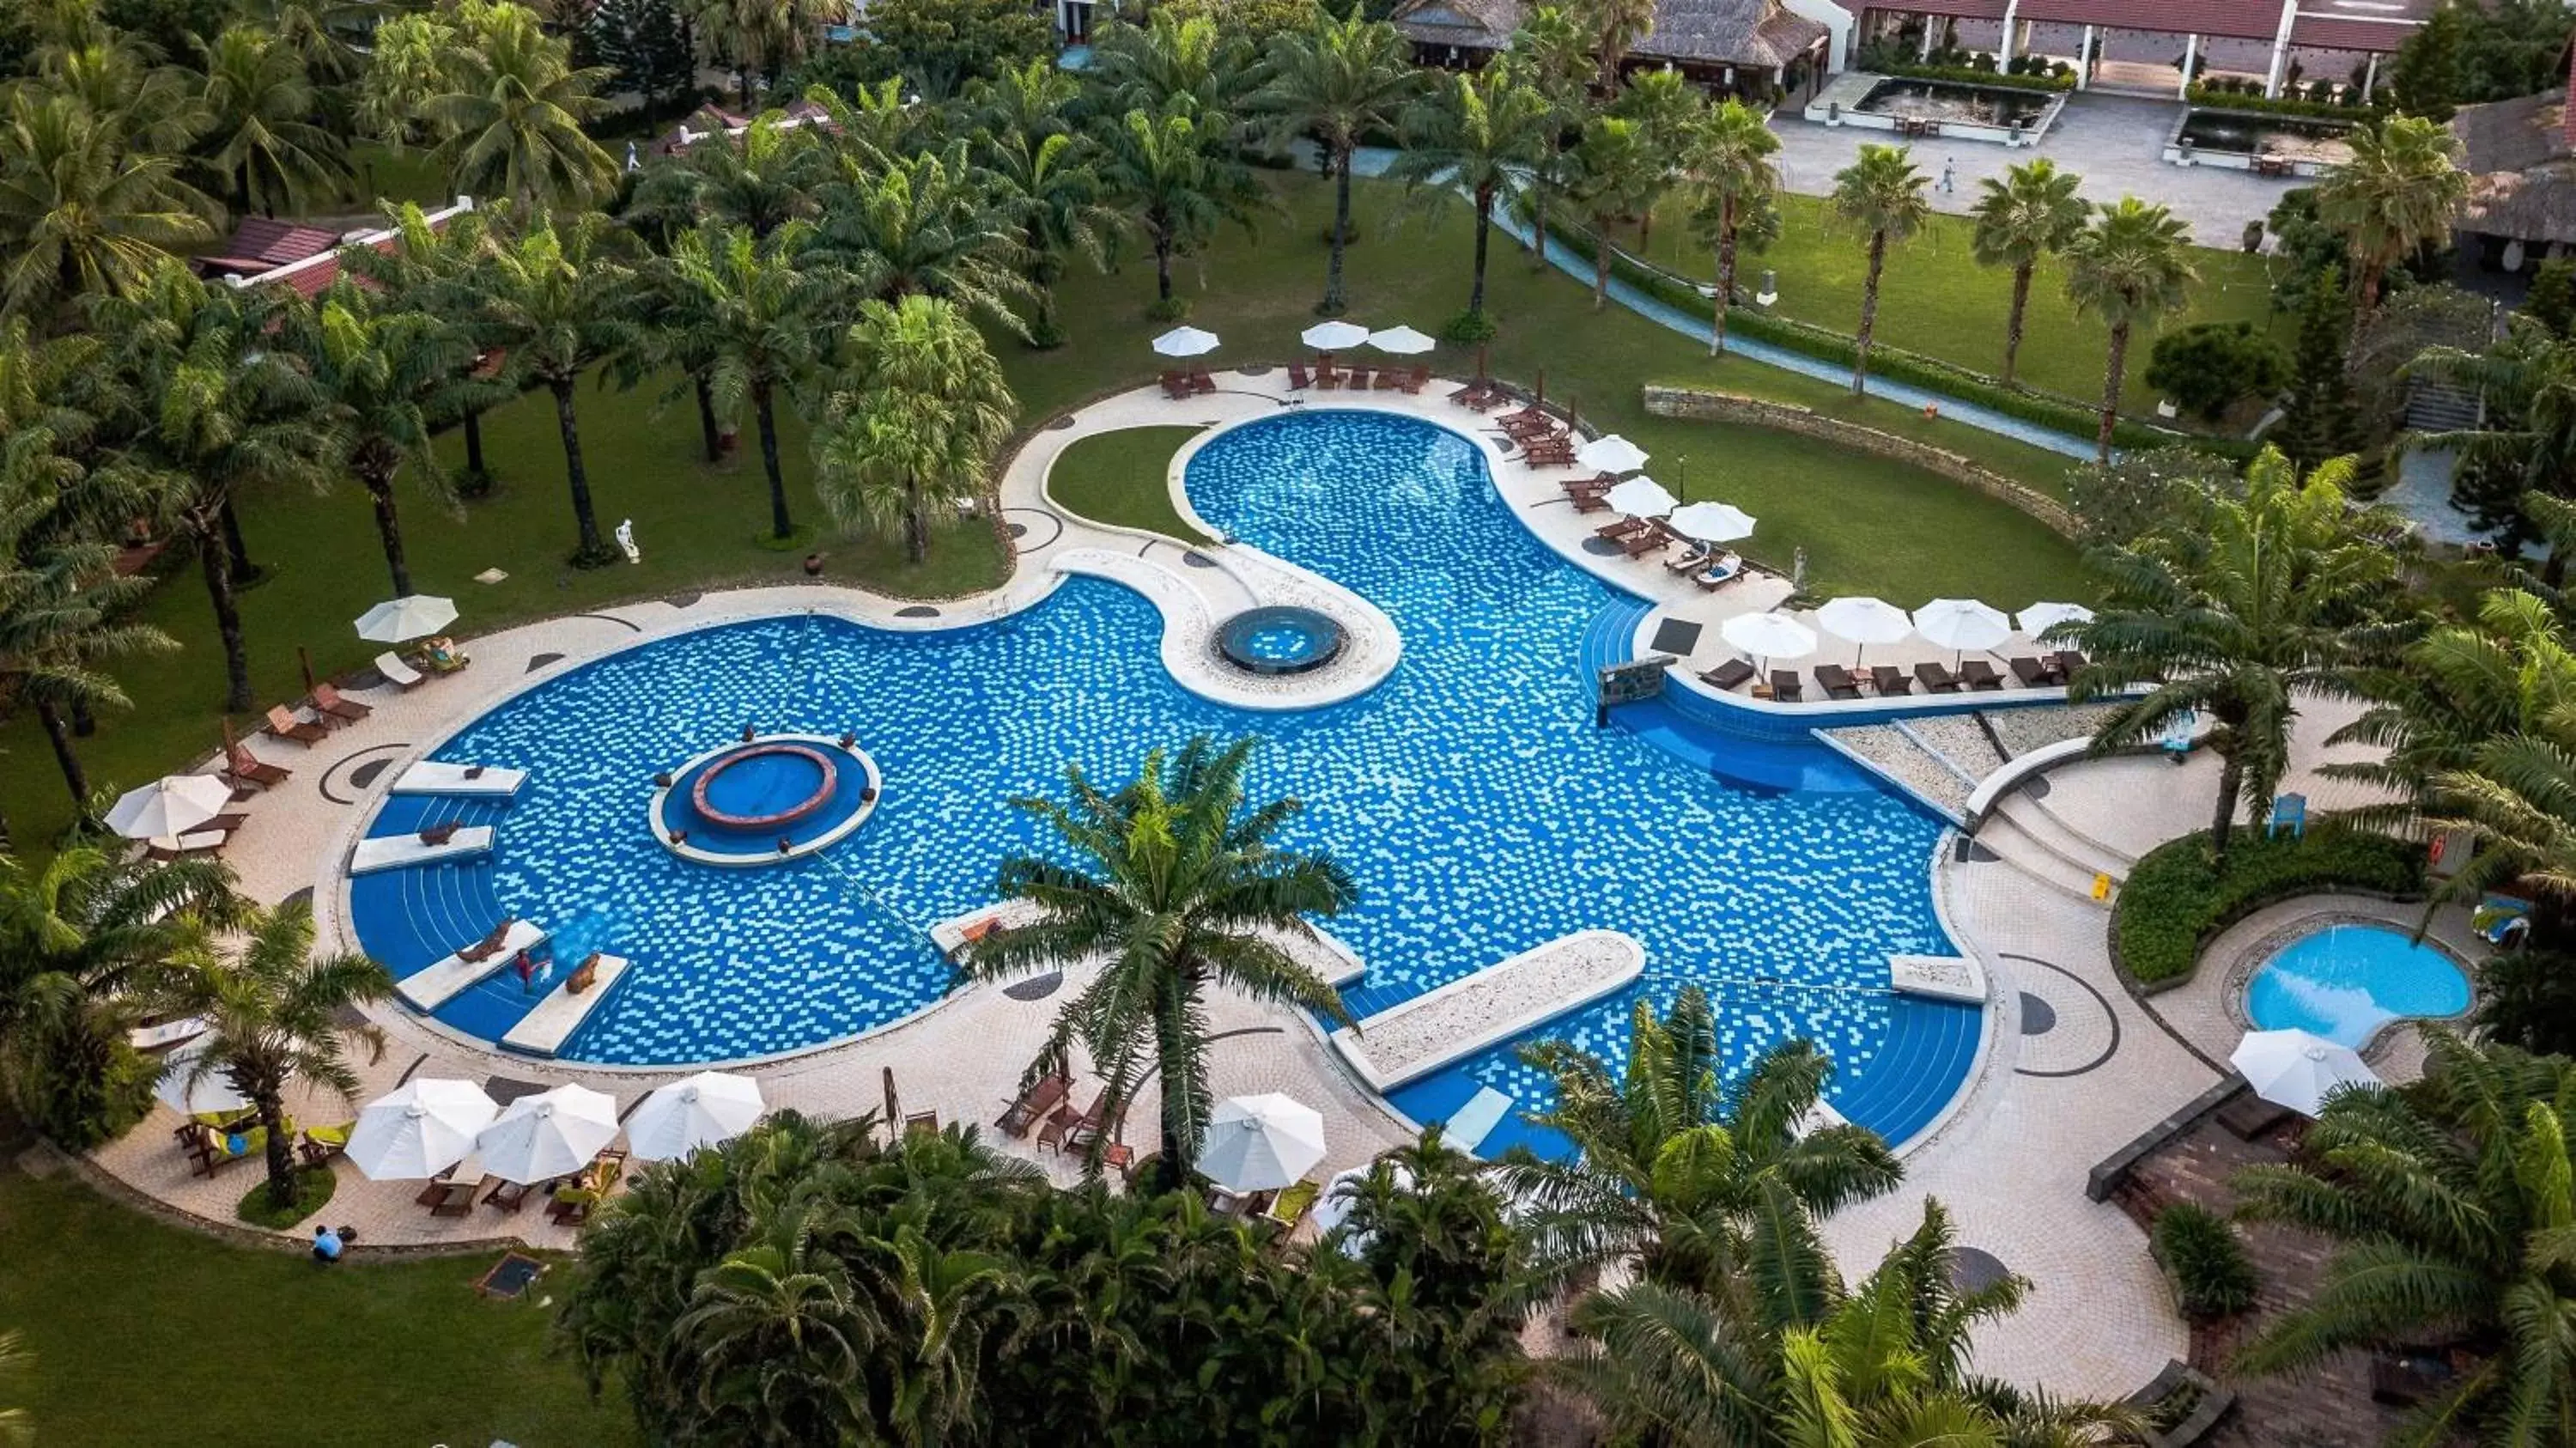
<point x="2190" y="57"/>
<point x="1930" y="24"/>
<point x="2280" y="50"/>
<point x="2004" y="52"/>
<point x="2084" y="61"/>
<point x="2370" y="78"/>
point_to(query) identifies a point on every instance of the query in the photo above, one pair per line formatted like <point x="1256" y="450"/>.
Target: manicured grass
<point x="1124" y="478"/>
<point x="143" y="1333"/>
<point x="1936" y="300"/>
<point x="313" y="1188"/>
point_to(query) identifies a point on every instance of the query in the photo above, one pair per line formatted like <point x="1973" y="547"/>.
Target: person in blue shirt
<point x="326" y="1245"/>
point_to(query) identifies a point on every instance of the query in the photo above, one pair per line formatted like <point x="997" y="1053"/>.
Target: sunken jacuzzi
<point x="1279" y="639"/>
<point x="764" y="799"/>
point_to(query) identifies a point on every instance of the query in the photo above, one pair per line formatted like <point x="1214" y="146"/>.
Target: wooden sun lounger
<point x="1978" y="674"/>
<point x="329" y="701"/>
<point x="433" y="985"/>
<point x="1298" y="381"/>
<point x="1487" y="400"/>
<point x="1619" y="531"/>
<point x="1721" y="571"/>
<point x="2064" y="663"/>
<point x="1327" y="376"/>
<point x="1837" y="682"/>
<point x="397" y="673"/>
<point x="1200" y="381"/>
<point x="1637" y="545"/>
<point x="1591" y="503"/>
<point x="1064" y="1121"/>
<point x="1176" y="387"/>
<point x="421" y="847"/>
<point x="246" y="768"/>
<point x="1414" y="381"/>
<point x="205" y="839"/>
<point x="1548" y="457"/>
<point x="2031" y="672"/>
<point x="1888" y="679"/>
<point x="282" y="725"/>
<point x="1729" y="674"/>
<point x="1357" y="379"/>
<point x="1687" y="560"/>
<point x="1785" y="686"/>
<point x="1034" y="1104"/>
<point x="1937" y="679"/>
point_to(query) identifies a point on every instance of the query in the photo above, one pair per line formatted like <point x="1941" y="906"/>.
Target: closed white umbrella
<point x="694" y="1111"/>
<point x="412" y="616"/>
<point x="1333" y="336"/>
<point x="1403" y="341"/>
<point x="1185" y="342"/>
<point x="1260" y="1143"/>
<point x="209" y="1094"/>
<point x="2298" y="1069"/>
<point x="1641" y="498"/>
<point x="552" y="1134"/>
<point x="1864" y="621"/>
<point x="2039" y="618"/>
<point x="420" y="1129"/>
<point x="1612" y="454"/>
<point x="171" y="805"/>
<point x="1962" y="624"/>
<point x="1767" y="636"/>
<point x="1711" y="522"/>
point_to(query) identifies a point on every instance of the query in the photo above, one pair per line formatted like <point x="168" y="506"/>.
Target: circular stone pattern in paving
<point x="1279" y="639"/>
<point x="764" y="800"/>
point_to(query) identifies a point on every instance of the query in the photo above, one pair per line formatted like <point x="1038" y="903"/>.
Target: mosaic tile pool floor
<point x="1470" y="795"/>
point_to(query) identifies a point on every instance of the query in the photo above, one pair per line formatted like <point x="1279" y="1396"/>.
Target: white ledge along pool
<point x="1471" y="796"/>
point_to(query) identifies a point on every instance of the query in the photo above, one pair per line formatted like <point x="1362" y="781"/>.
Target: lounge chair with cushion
<point x="1615" y="532"/>
<point x="1298" y="381"/>
<point x="329" y="701"/>
<point x="1837" y="682"/>
<point x="1727" y="675"/>
<point x="1357" y="379"/>
<point x="1200" y="381"/>
<point x="1888" y="679"/>
<point x="1489" y="399"/>
<point x="397" y="673"/>
<point x="1653" y="540"/>
<point x="1937" y="679"/>
<point x="320" y="1144"/>
<point x="1723" y="570"/>
<point x="1785" y="686"/>
<point x="1176" y="386"/>
<point x="206" y="839"/>
<point x="1327" y="376"/>
<point x="1978" y="674"/>
<point x="210" y="1149"/>
<point x="2032" y="673"/>
<point x="1033" y="1104"/>
<point x="283" y="725"/>
<point x="1687" y="560"/>
<point x="1472" y="394"/>
<point x="1414" y="381"/>
<point x="2063" y="664"/>
<point x="1591" y="502"/>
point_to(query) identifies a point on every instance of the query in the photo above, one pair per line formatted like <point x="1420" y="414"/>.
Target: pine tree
<point x="2426" y="79"/>
<point x="646" y="44"/>
<point x="2320" y="420"/>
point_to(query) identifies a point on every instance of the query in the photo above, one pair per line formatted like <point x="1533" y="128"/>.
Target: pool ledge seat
<point x="394" y="852"/>
<point x="433" y="986"/>
<point x="544" y="1029"/>
<point x="467" y="781"/>
<point x="1941" y="977"/>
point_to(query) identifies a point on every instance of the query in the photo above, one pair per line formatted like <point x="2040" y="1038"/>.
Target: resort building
<point x="2522" y="207"/>
<point x="2180" y="38"/>
<point x="1748" y="47"/>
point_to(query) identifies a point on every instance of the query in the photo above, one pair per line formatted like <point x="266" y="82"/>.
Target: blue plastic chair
<point x="2289" y="812"/>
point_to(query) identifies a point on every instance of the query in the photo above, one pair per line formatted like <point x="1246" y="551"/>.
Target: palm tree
<point x="758" y="181"/>
<point x="2526" y="430"/>
<point x="1615" y="27"/>
<point x="84" y="937"/>
<point x="79" y="216"/>
<point x="1337" y="84"/>
<point x="438" y="270"/>
<point x="909" y="429"/>
<point x="1180" y="888"/>
<point x="2239" y="611"/>
<point x="555" y="301"/>
<point x="1479" y="130"/>
<point x="762" y="37"/>
<point x="259" y="135"/>
<point x="510" y="108"/>
<point x="931" y="224"/>
<point x="2395" y="196"/>
<point x="762" y="316"/>
<point x="2448" y="1200"/>
<point x="2025" y="216"/>
<point x="2132" y="265"/>
<point x="1691" y="1177"/>
<point x="383" y="372"/>
<point x="1883" y="195"/>
<point x="63" y="612"/>
<point x="1176" y="64"/>
<point x="1727" y="160"/>
<point x="1549" y="54"/>
<point x="1615" y="174"/>
<point x="1053" y="186"/>
<point x="273" y="1012"/>
<point x="1165" y="170"/>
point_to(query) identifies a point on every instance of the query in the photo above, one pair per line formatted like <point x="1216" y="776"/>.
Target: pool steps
<point x="394" y="852"/>
<point x="1477" y="1012"/>
<point x="1468" y="1127"/>
<point x="437" y="776"/>
<point x="436" y="984"/>
<point x="551" y="1022"/>
<point x="2040" y="845"/>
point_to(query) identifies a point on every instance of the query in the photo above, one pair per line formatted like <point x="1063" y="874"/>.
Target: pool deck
<point x="2074" y="1065"/>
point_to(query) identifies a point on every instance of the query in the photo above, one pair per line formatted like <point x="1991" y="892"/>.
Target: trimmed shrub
<point x="2208" y="366"/>
<point x="2212" y="1277"/>
<point x="2220" y="99"/>
<point x="2176" y="898"/>
<point x="1982" y="75"/>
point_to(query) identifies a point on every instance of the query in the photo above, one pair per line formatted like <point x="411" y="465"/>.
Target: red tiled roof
<point x="2236" y="19"/>
<point x="1957" y="9"/>
<point x="2339" y="32"/>
<point x="2380" y="25"/>
<point x="313" y="275"/>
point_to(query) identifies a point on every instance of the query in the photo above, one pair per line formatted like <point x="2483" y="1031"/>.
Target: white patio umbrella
<point x="692" y="1112"/>
<point x="1641" y="498"/>
<point x="412" y="616"/>
<point x="1767" y="636"/>
<point x="2039" y="618"/>
<point x="1333" y="336"/>
<point x="1260" y="1143"/>
<point x="1864" y="621"/>
<point x="1612" y="454"/>
<point x="419" y="1129"/>
<point x="1961" y="624"/>
<point x="1185" y="342"/>
<point x="171" y="805"/>
<point x="547" y="1135"/>
<point x="1403" y="341"/>
<point x="1711" y="522"/>
<point x="2297" y="1069"/>
<point x="208" y="1094"/>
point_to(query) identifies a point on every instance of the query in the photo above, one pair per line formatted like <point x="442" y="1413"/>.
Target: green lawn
<point x="1124" y="478"/>
<point x="143" y="1333"/>
<point x="1937" y="301"/>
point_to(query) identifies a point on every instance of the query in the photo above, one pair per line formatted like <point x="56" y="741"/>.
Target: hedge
<point x="2176" y="899"/>
<point x="2216" y="100"/>
<point x="1970" y="75"/>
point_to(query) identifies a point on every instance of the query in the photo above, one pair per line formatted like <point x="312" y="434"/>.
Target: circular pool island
<point x="763" y="800"/>
<point x="1279" y="639"/>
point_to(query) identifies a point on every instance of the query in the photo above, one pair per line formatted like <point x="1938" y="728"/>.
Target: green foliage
<point x="2527" y="999"/>
<point x="646" y="50"/>
<point x="2349" y="108"/>
<point x="313" y="1187"/>
<point x="2552" y="299"/>
<point x="939" y="47"/>
<point x="2211" y="1274"/>
<point x="2123" y="500"/>
<point x="2210" y="367"/>
<point x="1256" y="20"/>
<point x="1970" y="75"/>
<point x="2425" y="78"/>
<point x="2304" y="249"/>
<point x="1470" y="327"/>
<point x="2178" y="896"/>
<point x="2320" y="421"/>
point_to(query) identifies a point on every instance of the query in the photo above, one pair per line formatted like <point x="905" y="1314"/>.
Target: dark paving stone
<point x="918" y="610"/>
<point x="539" y="661"/>
<point x="1973" y="1269"/>
<point x="2037" y="788"/>
<point x="1675" y="636"/>
<point x="2038" y="1017"/>
<point x="503" y="1089"/>
<point x="1019" y="530"/>
<point x="684" y="600"/>
<point x="1060" y="424"/>
<point x="1601" y="548"/>
<point x="1036" y="988"/>
<point x="1197" y="559"/>
<point x="300" y="897"/>
<point x="1972" y="853"/>
<point x="365" y="774"/>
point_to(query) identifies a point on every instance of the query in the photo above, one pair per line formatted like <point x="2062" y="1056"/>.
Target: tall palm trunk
<point x="589" y="551"/>
<point x="58" y="733"/>
<point x="1484" y="232"/>
<point x="2231" y="778"/>
<point x="916" y="523"/>
<point x="474" y="443"/>
<point x="1178" y="1048"/>
<point x="216" y="562"/>
<point x="1868" y="312"/>
<point x="2013" y="322"/>
<point x="379" y="483"/>
<point x="2111" y="379"/>
<point x="2366" y="295"/>
<point x="1333" y="305"/>
<point x="780" y="526"/>
<point x="280" y="1153"/>
<point x="708" y="433"/>
<point x="1725" y="276"/>
<point x="235" y="547"/>
<point x="1600" y="261"/>
<point x="1163" y="267"/>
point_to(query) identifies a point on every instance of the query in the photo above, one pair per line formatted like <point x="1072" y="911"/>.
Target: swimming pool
<point x="1470" y="794"/>
<point x="2346" y="981"/>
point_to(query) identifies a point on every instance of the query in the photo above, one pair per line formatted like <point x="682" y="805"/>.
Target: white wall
<point x="1834" y="18"/>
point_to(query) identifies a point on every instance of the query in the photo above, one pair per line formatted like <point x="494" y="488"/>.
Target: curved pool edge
<point x="2250" y="960"/>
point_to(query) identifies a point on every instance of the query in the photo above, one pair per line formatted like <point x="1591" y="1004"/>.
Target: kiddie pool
<point x="2346" y="981"/>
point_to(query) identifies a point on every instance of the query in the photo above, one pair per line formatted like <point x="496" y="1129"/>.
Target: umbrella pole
<point x="304" y="660"/>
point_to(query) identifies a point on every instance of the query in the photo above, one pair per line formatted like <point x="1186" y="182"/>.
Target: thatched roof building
<point x="2523" y="155"/>
<point x="1755" y="40"/>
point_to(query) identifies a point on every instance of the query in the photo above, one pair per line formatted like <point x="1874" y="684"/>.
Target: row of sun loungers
<point x="1327" y="377"/>
<point x="1887" y="681"/>
<point x="1048" y="1106"/>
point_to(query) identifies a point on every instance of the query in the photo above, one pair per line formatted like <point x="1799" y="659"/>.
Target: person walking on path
<point x="1949" y="173"/>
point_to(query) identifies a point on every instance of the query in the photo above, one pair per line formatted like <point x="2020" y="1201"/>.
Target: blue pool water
<point x="1470" y="795"/>
<point x="2346" y="981"/>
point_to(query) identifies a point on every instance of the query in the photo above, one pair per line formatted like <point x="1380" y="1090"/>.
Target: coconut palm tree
<point x="1548" y="53"/>
<point x="1166" y="171"/>
<point x="80" y="215"/>
<point x="2395" y="196"/>
<point x="762" y="38"/>
<point x="2131" y="266"/>
<point x="930" y="224"/>
<point x="1614" y="28"/>
<point x="557" y="302"/>
<point x="1180" y="887"/>
<point x="1051" y="184"/>
<point x="1176" y="64"/>
<point x="1882" y="195"/>
<point x="384" y="371"/>
<point x="509" y="108"/>
<point x="1726" y="163"/>
<point x="1478" y="131"/>
<point x="1613" y="174"/>
<point x="762" y="316"/>
<point x="910" y="426"/>
<point x="260" y="137"/>
<point x="2239" y="611"/>
<point x="438" y="270"/>
<point x="1336" y="84"/>
<point x="273" y="1012"/>
<point x="758" y="181"/>
<point x="63" y="613"/>
<point x="2448" y="1200"/>
<point x="2023" y="217"/>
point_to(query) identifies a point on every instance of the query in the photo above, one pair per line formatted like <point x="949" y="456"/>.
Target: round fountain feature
<point x="1279" y="639"/>
<point x="765" y="800"/>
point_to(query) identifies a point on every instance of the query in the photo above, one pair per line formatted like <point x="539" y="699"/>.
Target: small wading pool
<point x="1941" y="100"/>
<point x="2346" y="981"/>
<point x="1279" y="640"/>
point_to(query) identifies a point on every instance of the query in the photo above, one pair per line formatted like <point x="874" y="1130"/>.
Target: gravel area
<point x="1501" y="1000"/>
<point x="2023" y="730"/>
<point x="1887" y="749"/>
<point x="1962" y="738"/>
